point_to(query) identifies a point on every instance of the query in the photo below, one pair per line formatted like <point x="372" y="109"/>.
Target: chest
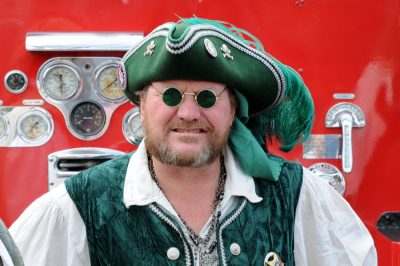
<point x="150" y="236"/>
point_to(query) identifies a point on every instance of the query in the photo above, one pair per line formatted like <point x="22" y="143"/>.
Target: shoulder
<point x="50" y="220"/>
<point x="290" y="176"/>
<point x="55" y="204"/>
<point x="319" y="189"/>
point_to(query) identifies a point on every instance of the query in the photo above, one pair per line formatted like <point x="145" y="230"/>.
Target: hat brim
<point x="176" y="51"/>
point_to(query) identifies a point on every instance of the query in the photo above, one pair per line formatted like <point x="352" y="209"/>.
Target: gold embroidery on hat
<point x="150" y="48"/>
<point x="210" y="47"/>
<point x="272" y="259"/>
<point x="226" y="51"/>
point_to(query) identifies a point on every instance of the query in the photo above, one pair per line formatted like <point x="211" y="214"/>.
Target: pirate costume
<point x="267" y="211"/>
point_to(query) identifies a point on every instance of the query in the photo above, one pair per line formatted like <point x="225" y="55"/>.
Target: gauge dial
<point x="16" y="81"/>
<point x="331" y="174"/>
<point x="132" y="126"/>
<point x="3" y="126"/>
<point x="107" y="83"/>
<point x="87" y="119"/>
<point x="61" y="82"/>
<point x="33" y="126"/>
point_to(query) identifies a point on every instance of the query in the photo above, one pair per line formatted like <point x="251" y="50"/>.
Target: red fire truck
<point x="346" y="51"/>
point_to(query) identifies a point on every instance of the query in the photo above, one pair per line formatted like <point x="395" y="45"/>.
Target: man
<point x="200" y="189"/>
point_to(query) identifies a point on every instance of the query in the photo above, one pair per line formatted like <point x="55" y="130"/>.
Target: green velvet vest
<point x="142" y="235"/>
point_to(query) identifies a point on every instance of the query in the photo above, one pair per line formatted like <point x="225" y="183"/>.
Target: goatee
<point x="158" y="147"/>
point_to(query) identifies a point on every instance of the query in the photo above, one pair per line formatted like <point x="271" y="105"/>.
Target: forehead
<point x="188" y="85"/>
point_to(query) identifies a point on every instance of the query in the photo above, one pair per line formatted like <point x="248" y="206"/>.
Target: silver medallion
<point x="273" y="259"/>
<point x="210" y="47"/>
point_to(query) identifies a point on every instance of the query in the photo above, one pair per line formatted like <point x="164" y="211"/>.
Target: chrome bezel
<point x="45" y="136"/>
<point x="6" y="122"/>
<point x="47" y="68"/>
<point x="57" y="176"/>
<point x="25" y="78"/>
<point x="87" y="67"/>
<point x="81" y="136"/>
<point x="132" y="116"/>
<point x="96" y="76"/>
<point x="330" y="173"/>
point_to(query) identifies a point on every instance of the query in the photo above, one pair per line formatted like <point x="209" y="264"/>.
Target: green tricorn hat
<point x="274" y="102"/>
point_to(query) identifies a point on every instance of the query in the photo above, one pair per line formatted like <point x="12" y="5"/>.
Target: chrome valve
<point x="345" y="115"/>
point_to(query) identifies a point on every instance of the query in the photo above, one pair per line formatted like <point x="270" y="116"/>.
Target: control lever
<point x="345" y="115"/>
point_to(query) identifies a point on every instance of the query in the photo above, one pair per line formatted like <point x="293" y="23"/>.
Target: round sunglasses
<point x="205" y="98"/>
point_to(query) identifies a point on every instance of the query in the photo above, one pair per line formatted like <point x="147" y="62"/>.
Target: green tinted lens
<point x="206" y="98"/>
<point x="172" y="96"/>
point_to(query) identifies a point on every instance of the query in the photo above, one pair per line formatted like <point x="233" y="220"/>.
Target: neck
<point x="191" y="191"/>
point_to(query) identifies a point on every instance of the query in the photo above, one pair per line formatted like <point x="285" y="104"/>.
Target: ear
<point x="142" y="103"/>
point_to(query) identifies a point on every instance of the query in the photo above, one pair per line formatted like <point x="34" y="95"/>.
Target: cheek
<point x="155" y="114"/>
<point x="221" y="118"/>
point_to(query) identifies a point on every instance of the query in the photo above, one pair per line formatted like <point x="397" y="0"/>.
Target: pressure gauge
<point x="34" y="126"/>
<point x="87" y="119"/>
<point x="16" y="81"/>
<point x="132" y="126"/>
<point x="4" y="126"/>
<point x="107" y="84"/>
<point x="331" y="174"/>
<point x="61" y="81"/>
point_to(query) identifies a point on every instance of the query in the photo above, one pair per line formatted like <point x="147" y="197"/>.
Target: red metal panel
<point x="339" y="47"/>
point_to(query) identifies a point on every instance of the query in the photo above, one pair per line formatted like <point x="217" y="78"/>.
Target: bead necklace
<point x="201" y="242"/>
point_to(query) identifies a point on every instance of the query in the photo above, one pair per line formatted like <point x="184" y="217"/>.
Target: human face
<point x="186" y="135"/>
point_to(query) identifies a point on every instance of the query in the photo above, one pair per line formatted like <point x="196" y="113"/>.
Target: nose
<point x="188" y="109"/>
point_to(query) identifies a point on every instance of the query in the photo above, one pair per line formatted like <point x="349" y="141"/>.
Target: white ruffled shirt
<point x="327" y="231"/>
<point x="4" y="255"/>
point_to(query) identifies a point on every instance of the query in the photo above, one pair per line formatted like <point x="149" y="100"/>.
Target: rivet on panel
<point x="301" y="3"/>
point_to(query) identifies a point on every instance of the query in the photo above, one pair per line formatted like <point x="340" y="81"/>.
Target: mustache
<point x="189" y="125"/>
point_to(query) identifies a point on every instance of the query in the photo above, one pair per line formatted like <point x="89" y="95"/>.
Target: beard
<point x="158" y="146"/>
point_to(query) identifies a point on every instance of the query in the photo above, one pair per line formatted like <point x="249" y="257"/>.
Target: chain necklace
<point x="201" y="242"/>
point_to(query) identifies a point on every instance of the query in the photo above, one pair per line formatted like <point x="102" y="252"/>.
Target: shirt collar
<point x="140" y="189"/>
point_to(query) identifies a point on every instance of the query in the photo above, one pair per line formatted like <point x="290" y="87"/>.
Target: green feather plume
<point x="290" y="121"/>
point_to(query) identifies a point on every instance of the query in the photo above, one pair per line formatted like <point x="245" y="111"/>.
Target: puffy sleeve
<point x="51" y="232"/>
<point x="327" y="230"/>
<point x="5" y="258"/>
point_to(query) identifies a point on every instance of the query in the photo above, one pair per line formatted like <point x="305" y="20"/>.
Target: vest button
<point x="173" y="253"/>
<point x="235" y="249"/>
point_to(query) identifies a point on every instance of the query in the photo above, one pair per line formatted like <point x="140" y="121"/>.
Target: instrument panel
<point x="85" y="90"/>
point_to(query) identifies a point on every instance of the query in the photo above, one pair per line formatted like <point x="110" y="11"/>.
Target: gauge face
<point x="107" y="83"/>
<point x="87" y="118"/>
<point x="331" y="174"/>
<point x="33" y="127"/>
<point x="132" y="126"/>
<point x="61" y="82"/>
<point x="16" y="81"/>
<point x="3" y="126"/>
